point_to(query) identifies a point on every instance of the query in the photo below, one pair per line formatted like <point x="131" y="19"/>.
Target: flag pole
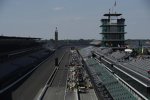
<point x="115" y="4"/>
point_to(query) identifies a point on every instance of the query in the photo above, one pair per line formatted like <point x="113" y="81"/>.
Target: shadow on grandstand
<point x="7" y="95"/>
<point x="15" y="69"/>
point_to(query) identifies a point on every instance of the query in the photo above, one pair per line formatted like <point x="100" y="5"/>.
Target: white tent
<point x="128" y="50"/>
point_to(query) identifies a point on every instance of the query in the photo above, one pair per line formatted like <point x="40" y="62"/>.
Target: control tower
<point x="56" y="37"/>
<point x="113" y="30"/>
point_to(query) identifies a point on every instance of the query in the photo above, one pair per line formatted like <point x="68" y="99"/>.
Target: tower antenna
<point x="114" y="6"/>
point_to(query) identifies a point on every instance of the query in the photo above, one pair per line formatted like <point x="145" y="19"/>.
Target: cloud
<point x="58" y="8"/>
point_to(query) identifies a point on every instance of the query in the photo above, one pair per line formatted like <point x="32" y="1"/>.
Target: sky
<point x="75" y="19"/>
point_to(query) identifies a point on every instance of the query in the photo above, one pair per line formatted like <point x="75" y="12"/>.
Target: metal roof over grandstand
<point x="12" y="37"/>
<point x="112" y="14"/>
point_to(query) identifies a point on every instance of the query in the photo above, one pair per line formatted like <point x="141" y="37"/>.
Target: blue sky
<point x="75" y="19"/>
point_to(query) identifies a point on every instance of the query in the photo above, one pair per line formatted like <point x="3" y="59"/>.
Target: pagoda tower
<point x="113" y="30"/>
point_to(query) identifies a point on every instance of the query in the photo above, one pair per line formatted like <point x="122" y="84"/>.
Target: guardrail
<point x="48" y="83"/>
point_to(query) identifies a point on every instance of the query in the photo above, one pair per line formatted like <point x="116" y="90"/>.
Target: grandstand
<point x="118" y="55"/>
<point x="12" y="47"/>
<point x="86" y="52"/>
<point x="12" y="70"/>
<point x="133" y="72"/>
<point x="140" y="65"/>
<point x="18" y="55"/>
<point x="106" y="83"/>
<point x="9" y="44"/>
<point x="104" y="50"/>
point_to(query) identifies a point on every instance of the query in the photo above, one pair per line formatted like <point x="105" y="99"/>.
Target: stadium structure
<point x="117" y="72"/>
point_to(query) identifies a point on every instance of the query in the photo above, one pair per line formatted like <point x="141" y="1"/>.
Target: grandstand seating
<point x="118" y="54"/>
<point x="108" y="83"/>
<point x="139" y="65"/>
<point x="104" y="81"/>
<point x="115" y="56"/>
<point x="5" y="69"/>
<point x="103" y="50"/>
<point x="19" y="66"/>
<point x="85" y="52"/>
